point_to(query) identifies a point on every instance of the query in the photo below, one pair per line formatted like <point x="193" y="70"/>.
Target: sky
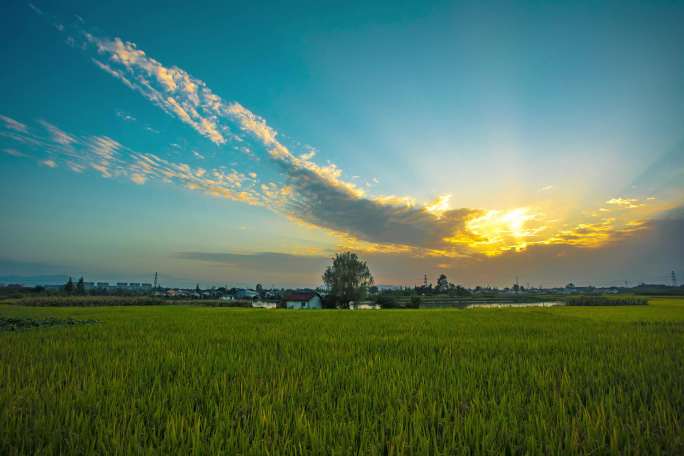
<point x="235" y="143"/>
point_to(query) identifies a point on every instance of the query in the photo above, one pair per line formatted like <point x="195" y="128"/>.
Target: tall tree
<point x="69" y="286"/>
<point x="80" y="286"/>
<point x="442" y="284"/>
<point x="348" y="278"/>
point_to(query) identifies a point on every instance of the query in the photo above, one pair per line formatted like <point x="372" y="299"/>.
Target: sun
<point x="498" y="231"/>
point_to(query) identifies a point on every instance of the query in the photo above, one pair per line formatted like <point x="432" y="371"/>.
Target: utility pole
<point x="425" y="282"/>
<point x="156" y="283"/>
<point x="674" y="279"/>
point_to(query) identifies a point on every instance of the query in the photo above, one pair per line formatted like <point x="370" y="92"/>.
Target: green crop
<point x="202" y="380"/>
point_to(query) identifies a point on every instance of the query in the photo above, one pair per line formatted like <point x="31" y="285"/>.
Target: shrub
<point x="88" y="301"/>
<point x="327" y="302"/>
<point x="386" y="301"/>
<point x="415" y="302"/>
<point x="605" y="301"/>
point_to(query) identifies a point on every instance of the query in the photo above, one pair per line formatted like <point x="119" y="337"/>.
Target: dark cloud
<point x="327" y="204"/>
<point x="265" y="267"/>
<point x="649" y="257"/>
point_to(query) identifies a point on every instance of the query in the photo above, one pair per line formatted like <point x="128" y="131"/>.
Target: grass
<point x="177" y="379"/>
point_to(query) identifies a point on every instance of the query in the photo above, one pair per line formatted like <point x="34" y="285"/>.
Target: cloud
<point x="14" y="153"/>
<point x="125" y="116"/>
<point x="117" y="74"/>
<point x="103" y="152"/>
<point x="58" y="136"/>
<point x="49" y="163"/>
<point x="628" y="203"/>
<point x="269" y="267"/>
<point x="170" y="88"/>
<point x="36" y="9"/>
<point x="13" y="124"/>
<point x="546" y="188"/>
<point x="138" y="178"/>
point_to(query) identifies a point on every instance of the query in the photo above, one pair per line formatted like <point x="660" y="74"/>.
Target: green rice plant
<point x="209" y="380"/>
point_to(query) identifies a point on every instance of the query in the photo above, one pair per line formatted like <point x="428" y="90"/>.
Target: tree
<point x="415" y="302"/>
<point x="442" y="284"/>
<point x="69" y="286"/>
<point x="386" y="301"/>
<point x="80" y="286"/>
<point x="347" y="279"/>
<point x="260" y="290"/>
<point x="461" y="291"/>
<point x="197" y="288"/>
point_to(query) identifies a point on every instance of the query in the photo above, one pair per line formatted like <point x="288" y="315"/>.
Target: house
<point x="246" y="294"/>
<point x="363" y="305"/>
<point x="303" y="300"/>
<point x="264" y="305"/>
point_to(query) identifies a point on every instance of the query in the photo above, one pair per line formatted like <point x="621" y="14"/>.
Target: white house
<point x="363" y="305"/>
<point x="303" y="300"/>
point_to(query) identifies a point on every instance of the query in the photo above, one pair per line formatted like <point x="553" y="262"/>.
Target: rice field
<point x="200" y="380"/>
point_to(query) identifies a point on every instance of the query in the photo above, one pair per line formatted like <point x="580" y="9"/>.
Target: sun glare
<point x="499" y="231"/>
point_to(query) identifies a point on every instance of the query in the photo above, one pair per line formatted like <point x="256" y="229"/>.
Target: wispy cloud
<point x="58" y="136"/>
<point x="125" y="116"/>
<point x="14" y="153"/>
<point x="36" y="9"/>
<point x="627" y="203"/>
<point x="110" y="158"/>
<point x="170" y="88"/>
<point x="13" y="124"/>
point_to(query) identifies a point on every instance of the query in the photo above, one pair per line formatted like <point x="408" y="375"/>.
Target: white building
<point x="246" y="294"/>
<point x="363" y="305"/>
<point x="303" y="300"/>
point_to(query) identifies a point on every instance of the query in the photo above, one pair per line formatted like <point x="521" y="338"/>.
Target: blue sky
<point x="471" y="138"/>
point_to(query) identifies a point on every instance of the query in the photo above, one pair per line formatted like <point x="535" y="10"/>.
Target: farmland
<point x="182" y="379"/>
